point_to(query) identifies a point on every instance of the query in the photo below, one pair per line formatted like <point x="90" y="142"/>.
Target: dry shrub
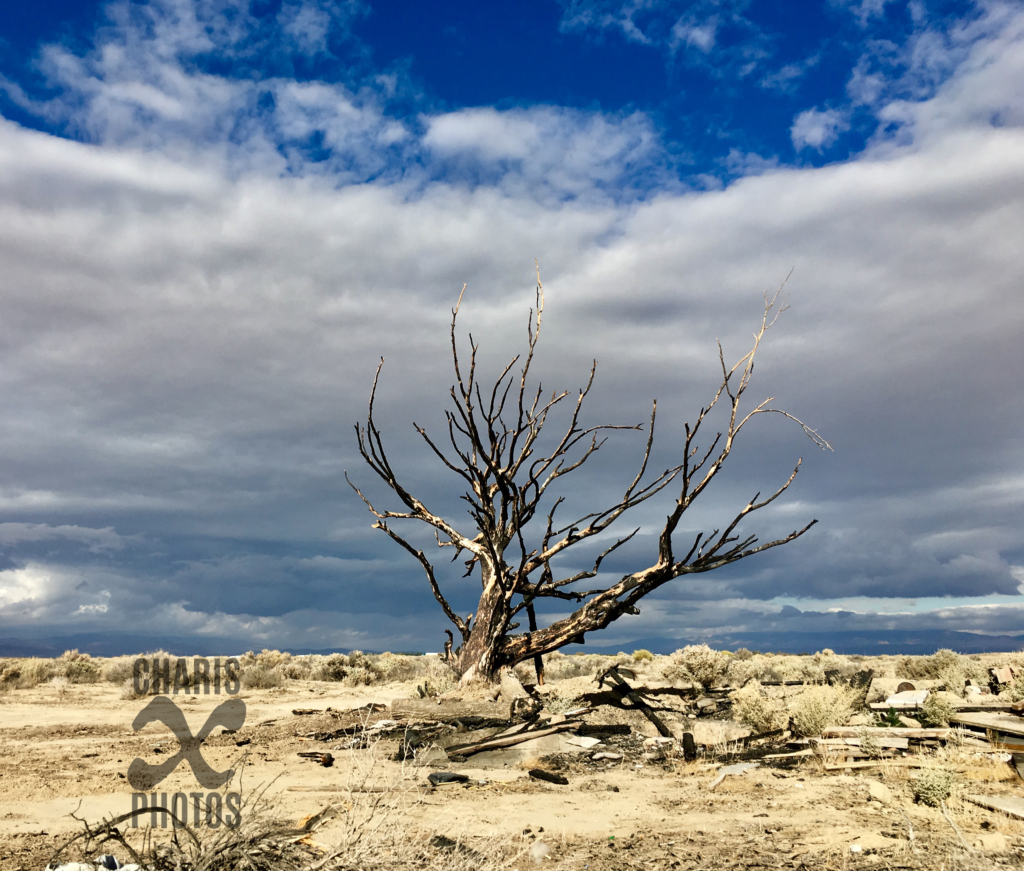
<point x="440" y="679"/>
<point x="77" y="667"/>
<point x="117" y="671"/>
<point x="10" y="674"/>
<point x="35" y="671"/>
<point x="566" y="666"/>
<point x="401" y="668"/>
<point x="260" y="676"/>
<point x="1015" y="689"/>
<point x="128" y="692"/>
<point x="818" y="708"/>
<point x="332" y="668"/>
<point x="933" y="785"/>
<point x="752" y="707"/>
<point x="269" y="658"/>
<point x="935" y="711"/>
<point x="642" y="656"/>
<point x="698" y="663"/>
<point x="932" y="667"/>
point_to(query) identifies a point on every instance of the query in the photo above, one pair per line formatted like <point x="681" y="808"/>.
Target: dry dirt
<point x="59" y="757"/>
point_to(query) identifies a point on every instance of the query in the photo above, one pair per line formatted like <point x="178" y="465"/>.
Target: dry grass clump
<point x="261" y="677"/>
<point x="77" y="667"/>
<point x="566" y="666"/>
<point x="439" y="679"/>
<point x="265" y="670"/>
<point x="118" y="670"/>
<point x="353" y="669"/>
<point x="698" y="663"/>
<point x="935" y="711"/>
<point x="818" y="708"/>
<point x="10" y="674"/>
<point x="752" y="706"/>
<point x="25" y="673"/>
<point x="642" y="655"/>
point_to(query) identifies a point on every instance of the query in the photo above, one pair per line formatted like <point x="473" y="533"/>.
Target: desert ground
<point x="631" y="797"/>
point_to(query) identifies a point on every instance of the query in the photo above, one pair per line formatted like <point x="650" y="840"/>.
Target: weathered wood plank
<point x="1005" y="723"/>
<point x="1004" y="803"/>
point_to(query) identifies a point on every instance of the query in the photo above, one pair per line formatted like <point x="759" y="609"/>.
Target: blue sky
<point x="216" y="215"/>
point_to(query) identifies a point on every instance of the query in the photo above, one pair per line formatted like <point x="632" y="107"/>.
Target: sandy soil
<point x="59" y="757"/>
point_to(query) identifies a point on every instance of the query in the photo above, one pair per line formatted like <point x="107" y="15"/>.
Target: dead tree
<point x="494" y="435"/>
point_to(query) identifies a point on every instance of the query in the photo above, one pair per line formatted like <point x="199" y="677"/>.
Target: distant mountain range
<point x="866" y="642"/>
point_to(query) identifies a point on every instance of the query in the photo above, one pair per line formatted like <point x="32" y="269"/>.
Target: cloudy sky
<point x="217" y="215"/>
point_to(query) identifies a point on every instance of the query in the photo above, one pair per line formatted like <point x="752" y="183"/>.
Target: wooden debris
<point x="909" y="762"/>
<point x="613" y="675"/>
<point x="880" y="731"/>
<point x="549" y="776"/>
<point x="997" y="722"/>
<point x="450" y="710"/>
<point x="509" y="741"/>
<point x="884" y="742"/>
<point x="795" y="755"/>
<point x="1002" y="803"/>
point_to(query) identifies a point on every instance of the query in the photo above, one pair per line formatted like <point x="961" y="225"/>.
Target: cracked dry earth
<point x="59" y="757"/>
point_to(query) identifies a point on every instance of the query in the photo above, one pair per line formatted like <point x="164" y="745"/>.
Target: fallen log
<point x="450" y="710"/>
<point x="509" y="741"/>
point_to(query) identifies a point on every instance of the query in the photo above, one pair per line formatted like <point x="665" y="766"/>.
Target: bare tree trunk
<point x="538" y="660"/>
<point x="477" y="659"/>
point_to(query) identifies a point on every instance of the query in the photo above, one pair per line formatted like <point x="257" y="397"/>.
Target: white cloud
<point x="818" y="128"/>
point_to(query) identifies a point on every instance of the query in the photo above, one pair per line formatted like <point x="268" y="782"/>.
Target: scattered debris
<point x="437" y="778"/>
<point x="549" y="776"/>
<point x="325" y="759"/>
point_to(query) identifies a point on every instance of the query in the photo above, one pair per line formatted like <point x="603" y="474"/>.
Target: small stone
<point x="993" y="842"/>
<point x="855" y="848"/>
<point x="879" y="792"/>
<point x="604" y="754"/>
<point x="910" y="722"/>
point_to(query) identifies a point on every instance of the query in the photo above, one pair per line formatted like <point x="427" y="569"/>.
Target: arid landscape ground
<point x="829" y="786"/>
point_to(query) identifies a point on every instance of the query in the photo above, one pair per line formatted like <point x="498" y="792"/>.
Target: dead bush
<point x="642" y="656"/>
<point x="35" y="671"/>
<point x="118" y="670"/>
<point x="752" y="707"/>
<point x="818" y="708"/>
<point x="566" y="666"/>
<point x="260" y="676"/>
<point x="698" y="663"/>
<point x="935" y="711"/>
<point x="10" y="674"/>
<point x="440" y="679"/>
<point x="78" y="668"/>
